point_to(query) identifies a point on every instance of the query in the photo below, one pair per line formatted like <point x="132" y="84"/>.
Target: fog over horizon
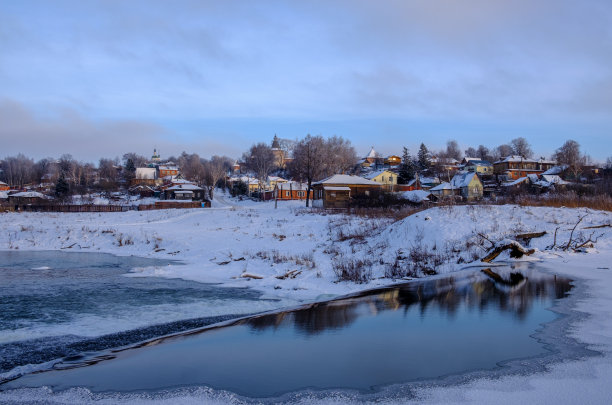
<point x="102" y="78"/>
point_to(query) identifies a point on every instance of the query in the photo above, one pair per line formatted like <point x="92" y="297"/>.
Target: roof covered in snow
<point x="29" y="194"/>
<point x="515" y="182"/>
<point x="416" y="196"/>
<point x="375" y="173"/>
<point x="180" y="187"/>
<point x="463" y="179"/>
<point x="372" y="153"/>
<point x="516" y="158"/>
<point x="556" y="169"/>
<point x="292" y="185"/>
<point x="443" y="186"/>
<point x="3" y="195"/>
<point x="347" y="179"/>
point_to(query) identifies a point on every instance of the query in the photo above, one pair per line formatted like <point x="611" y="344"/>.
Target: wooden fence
<point x="159" y="205"/>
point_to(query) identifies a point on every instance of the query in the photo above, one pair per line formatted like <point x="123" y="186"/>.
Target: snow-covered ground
<point x="291" y="253"/>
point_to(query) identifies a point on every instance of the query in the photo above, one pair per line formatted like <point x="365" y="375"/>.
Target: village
<point x="278" y="171"/>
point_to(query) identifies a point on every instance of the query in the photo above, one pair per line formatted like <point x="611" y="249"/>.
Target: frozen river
<point x="471" y="322"/>
<point x="55" y="304"/>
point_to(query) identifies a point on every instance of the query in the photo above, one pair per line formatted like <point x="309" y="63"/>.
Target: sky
<point x="102" y="78"/>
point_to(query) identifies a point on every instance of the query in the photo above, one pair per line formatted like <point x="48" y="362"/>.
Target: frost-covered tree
<point x="261" y="161"/>
<point x="452" y="150"/>
<point x="569" y="154"/>
<point x="309" y="161"/>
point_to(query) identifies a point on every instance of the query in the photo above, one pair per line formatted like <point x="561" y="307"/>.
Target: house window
<point x="286" y="193"/>
<point x="367" y="193"/>
<point x="301" y="193"/>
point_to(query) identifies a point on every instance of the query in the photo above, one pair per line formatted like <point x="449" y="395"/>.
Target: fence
<point x="159" y="205"/>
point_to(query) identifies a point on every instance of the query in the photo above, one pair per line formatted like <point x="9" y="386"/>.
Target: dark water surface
<point x="55" y="304"/>
<point x="420" y="330"/>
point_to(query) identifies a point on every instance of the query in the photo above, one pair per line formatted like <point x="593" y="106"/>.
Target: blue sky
<point x="100" y="78"/>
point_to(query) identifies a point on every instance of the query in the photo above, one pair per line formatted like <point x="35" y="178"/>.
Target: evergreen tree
<point x="130" y="170"/>
<point x="423" y="157"/>
<point x="61" y="187"/>
<point x="407" y="169"/>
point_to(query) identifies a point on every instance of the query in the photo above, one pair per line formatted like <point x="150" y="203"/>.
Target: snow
<point x="29" y="194"/>
<point x="223" y="243"/>
<point x="183" y="187"/>
<point x="416" y="196"/>
<point x="461" y="180"/>
<point x="347" y="179"/>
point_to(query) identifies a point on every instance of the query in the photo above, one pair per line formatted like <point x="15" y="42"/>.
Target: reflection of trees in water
<point x="446" y="295"/>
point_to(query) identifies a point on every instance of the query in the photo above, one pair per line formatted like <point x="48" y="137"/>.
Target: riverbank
<point x="223" y="244"/>
<point x="293" y="253"/>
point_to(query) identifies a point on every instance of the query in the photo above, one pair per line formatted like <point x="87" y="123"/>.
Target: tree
<point x="260" y="160"/>
<point x="521" y="147"/>
<point x="569" y="154"/>
<point x="309" y="159"/>
<point x="17" y="170"/>
<point x="483" y="153"/>
<point x="502" y="151"/>
<point x="107" y="172"/>
<point x="340" y="156"/>
<point x="62" y="188"/>
<point x="216" y="169"/>
<point x="407" y="168"/>
<point x="452" y="150"/>
<point x="471" y="152"/>
<point x="424" y="158"/>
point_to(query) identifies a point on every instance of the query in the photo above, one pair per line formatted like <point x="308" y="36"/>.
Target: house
<point x="142" y="191"/>
<point x="168" y="169"/>
<point x="27" y="197"/>
<point x="189" y="192"/>
<point x="274" y="180"/>
<point x="337" y="190"/>
<point x="373" y="158"/>
<point x="482" y="167"/>
<point x="412" y="185"/>
<point x="469" y="185"/>
<point x="385" y="177"/>
<point x="463" y="184"/>
<point x="4" y="186"/>
<point x="515" y="167"/>
<point x="393" y="161"/>
<point x="442" y="190"/>
<point x="292" y="190"/>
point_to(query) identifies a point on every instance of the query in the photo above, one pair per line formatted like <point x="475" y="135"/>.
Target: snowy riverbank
<point x="292" y="253"/>
<point x="223" y="244"/>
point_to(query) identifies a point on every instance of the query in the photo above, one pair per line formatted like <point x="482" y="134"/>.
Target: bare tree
<point x="192" y="167"/>
<point x="17" y="170"/>
<point x="483" y="153"/>
<point x="260" y="159"/>
<point x="569" y="154"/>
<point x="107" y="172"/>
<point x="340" y="156"/>
<point x="452" y="150"/>
<point x="502" y="151"/>
<point x="216" y="169"/>
<point x="471" y="152"/>
<point x="521" y="147"/>
<point x="309" y="158"/>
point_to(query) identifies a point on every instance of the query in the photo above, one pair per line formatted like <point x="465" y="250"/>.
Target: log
<point x="531" y="235"/>
<point x="598" y="226"/>
<point x="516" y="251"/>
<point x="248" y="275"/>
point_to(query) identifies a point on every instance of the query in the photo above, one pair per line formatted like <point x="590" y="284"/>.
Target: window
<point x="287" y="194"/>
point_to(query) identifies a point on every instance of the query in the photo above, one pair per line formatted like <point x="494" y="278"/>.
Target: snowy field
<point x="292" y="253"/>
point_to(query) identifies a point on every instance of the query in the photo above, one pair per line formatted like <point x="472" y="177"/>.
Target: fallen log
<point x="289" y="274"/>
<point x="528" y="236"/>
<point x="516" y="250"/>
<point x="249" y="275"/>
<point x="598" y="226"/>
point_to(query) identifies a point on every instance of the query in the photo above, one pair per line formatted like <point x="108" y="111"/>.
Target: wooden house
<point x="28" y="197"/>
<point x="337" y="190"/>
<point x="167" y="170"/>
<point x="4" y="186"/>
<point x="464" y="184"/>
<point x="292" y="190"/>
<point x="393" y="161"/>
<point x="482" y="167"/>
<point x="515" y="167"/>
<point x="189" y="192"/>
<point x="385" y="177"/>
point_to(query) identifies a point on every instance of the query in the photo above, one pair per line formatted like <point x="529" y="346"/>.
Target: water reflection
<point x="506" y="290"/>
<point x="417" y="331"/>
